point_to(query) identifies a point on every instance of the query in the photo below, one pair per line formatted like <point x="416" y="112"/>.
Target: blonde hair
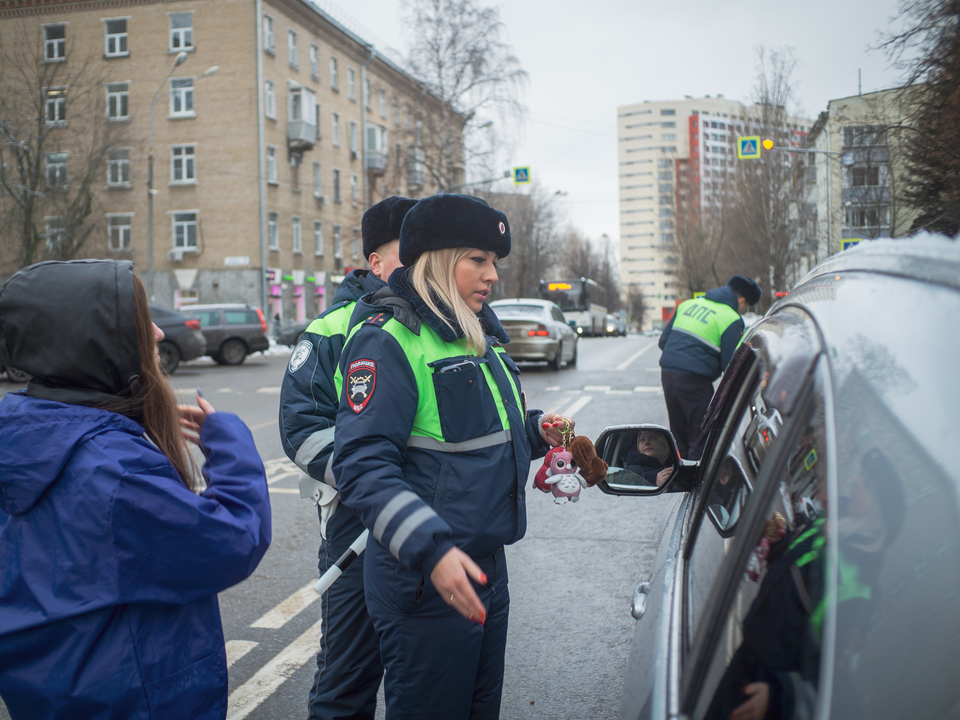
<point x="433" y="277"/>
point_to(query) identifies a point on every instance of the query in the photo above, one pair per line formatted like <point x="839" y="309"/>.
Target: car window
<point x="240" y="317"/>
<point x="505" y="311"/>
<point x="557" y="315"/>
<point x="758" y="568"/>
<point x="208" y="318"/>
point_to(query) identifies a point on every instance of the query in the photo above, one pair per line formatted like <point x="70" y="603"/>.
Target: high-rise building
<point x="670" y="150"/>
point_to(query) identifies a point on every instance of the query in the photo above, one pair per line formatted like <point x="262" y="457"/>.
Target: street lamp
<point x="178" y="61"/>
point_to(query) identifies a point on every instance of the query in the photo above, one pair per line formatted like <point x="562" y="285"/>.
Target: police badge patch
<point x="300" y="354"/>
<point x="361" y="380"/>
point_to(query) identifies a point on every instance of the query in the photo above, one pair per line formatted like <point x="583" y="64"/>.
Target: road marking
<point x="626" y="363"/>
<point x="248" y="697"/>
<point x="596" y="388"/>
<point x="236" y="649"/>
<point x="648" y="389"/>
<point x="554" y="388"/>
<point x="553" y="408"/>
<point x="226" y="390"/>
<point x="577" y="406"/>
<point x="288" y="609"/>
<point x="269" y="390"/>
<point x="263" y="424"/>
<point x="619" y="392"/>
<point x="280" y="469"/>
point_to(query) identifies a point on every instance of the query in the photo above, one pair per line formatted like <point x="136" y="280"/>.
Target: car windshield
<point x="510" y="311"/>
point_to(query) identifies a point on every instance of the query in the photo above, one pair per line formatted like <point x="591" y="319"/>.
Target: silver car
<point x="809" y="563"/>
<point x="538" y="331"/>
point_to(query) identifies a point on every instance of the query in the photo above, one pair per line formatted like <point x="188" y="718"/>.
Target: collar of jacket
<point x="401" y="283"/>
<point x="723" y="295"/>
<point x="357" y="284"/>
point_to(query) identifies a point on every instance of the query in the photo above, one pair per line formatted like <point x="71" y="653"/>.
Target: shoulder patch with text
<point x="361" y="381"/>
<point x="300" y="354"/>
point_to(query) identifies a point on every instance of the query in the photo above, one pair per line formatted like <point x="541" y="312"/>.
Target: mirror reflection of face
<point x="653" y="444"/>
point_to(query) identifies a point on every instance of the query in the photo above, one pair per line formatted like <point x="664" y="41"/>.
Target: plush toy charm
<point x="569" y="467"/>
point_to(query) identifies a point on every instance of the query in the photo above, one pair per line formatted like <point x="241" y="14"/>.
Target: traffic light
<point x="768" y="144"/>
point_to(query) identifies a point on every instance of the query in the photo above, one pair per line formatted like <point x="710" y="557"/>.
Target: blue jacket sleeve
<point x="371" y="447"/>
<point x="665" y="335"/>
<point x="174" y="546"/>
<point x="538" y="446"/>
<point x="309" y="402"/>
<point x="729" y="342"/>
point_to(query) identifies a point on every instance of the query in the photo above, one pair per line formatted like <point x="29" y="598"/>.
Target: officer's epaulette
<point x="378" y="319"/>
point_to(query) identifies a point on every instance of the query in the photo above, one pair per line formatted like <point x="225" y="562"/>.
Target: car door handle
<point x="640" y="596"/>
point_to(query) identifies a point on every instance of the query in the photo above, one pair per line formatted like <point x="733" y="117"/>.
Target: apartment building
<point x="268" y="141"/>
<point x="857" y="174"/>
<point x="663" y="147"/>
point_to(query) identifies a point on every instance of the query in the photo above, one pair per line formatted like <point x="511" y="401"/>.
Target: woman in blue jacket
<point x="432" y="450"/>
<point x="110" y="562"/>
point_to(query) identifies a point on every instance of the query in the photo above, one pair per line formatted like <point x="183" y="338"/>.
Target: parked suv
<point x="182" y="339"/>
<point x="808" y="565"/>
<point x="232" y="331"/>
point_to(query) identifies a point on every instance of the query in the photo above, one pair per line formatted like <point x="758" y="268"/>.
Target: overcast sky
<point x="586" y="59"/>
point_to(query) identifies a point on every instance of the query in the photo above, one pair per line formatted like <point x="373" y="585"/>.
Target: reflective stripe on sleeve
<point x="408" y="527"/>
<point x="390" y="510"/>
<point x="428" y="443"/>
<point x="312" y="447"/>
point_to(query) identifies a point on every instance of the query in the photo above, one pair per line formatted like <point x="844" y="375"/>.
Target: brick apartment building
<point x="261" y="169"/>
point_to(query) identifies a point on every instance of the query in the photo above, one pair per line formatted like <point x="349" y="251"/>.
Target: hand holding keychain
<point x="570" y="465"/>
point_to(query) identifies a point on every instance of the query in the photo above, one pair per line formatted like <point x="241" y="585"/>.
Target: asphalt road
<point x="572" y="577"/>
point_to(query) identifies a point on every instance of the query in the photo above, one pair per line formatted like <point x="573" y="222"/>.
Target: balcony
<point x="415" y="178"/>
<point x="301" y="135"/>
<point x="376" y="162"/>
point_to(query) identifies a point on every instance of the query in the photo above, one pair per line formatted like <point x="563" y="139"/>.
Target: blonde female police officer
<point x="433" y="448"/>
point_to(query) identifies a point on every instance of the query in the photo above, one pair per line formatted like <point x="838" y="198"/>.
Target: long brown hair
<point x="156" y="404"/>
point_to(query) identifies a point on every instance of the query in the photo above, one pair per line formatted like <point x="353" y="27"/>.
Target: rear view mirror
<point x="643" y="459"/>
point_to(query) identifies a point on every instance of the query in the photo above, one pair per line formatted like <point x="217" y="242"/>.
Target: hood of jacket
<point x="401" y="282"/>
<point x="723" y="295"/>
<point x="357" y="284"/>
<point x="39" y="438"/>
<point x="72" y="326"/>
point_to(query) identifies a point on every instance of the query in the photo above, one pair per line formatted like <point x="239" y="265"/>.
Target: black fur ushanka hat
<point x="381" y="223"/>
<point x="453" y="221"/>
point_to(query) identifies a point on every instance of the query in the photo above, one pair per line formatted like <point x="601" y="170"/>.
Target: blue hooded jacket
<point x="109" y="564"/>
<point x="684" y="354"/>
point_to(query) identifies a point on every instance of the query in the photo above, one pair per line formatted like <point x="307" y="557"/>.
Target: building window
<point x="295" y="231"/>
<point x="668" y="112"/>
<point x="352" y="84"/>
<point x="665" y="175"/>
<point x="666" y="188"/>
<point x="185" y="231"/>
<point x="118" y="101"/>
<point x="337" y="245"/>
<point x="355" y="245"/>
<point x="354" y="188"/>
<point x="383" y="103"/>
<point x="865" y="176"/>
<point x="292" y="48"/>
<point x="353" y="138"/>
<point x="668" y="136"/>
<point x="333" y="74"/>
<point x="317" y="185"/>
<point x="181" y="97"/>
<point x="318" y="238"/>
<point x="55" y="231"/>
<point x="666" y="237"/>
<point x="316" y="118"/>
<point x="864" y="136"/>
<point x="55" y="42"/>
<point x="181" y="31"/>
<point x="56" y="170"/>
<point x="271" y="164"/>
<point x="315" y="62"/>
<point x="867" y="217"/>
<point x="55" y="104"/>
<point x="336" y="186"/>
<point x="666" y="200"/>
<point x="116" y="38"/>
<point x="666" y="224"/>
<point x="396" y="111"/>
<point x="270" y="97"/>
<point x="665" y="163"/>
<point x="335" y="130"/>
<point x="118" y="166"/>
<point x="119" y="229"/>
<point x="268" y="34"/>
<point x="273" y="231"/>
<point x="183" y="164"/>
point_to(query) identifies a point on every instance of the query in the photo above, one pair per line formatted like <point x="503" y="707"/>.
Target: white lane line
<point x="577" y="406"/>
<point x="596" y="388"/>
<point x="288" y="609"/>
<point x="248" y="697"/>
<point x="648" y="389"/>
<point x="269" y="390"/>
<point x="619" y="392"/>
<point x="553" y="388"/>
<point x="236" y="649"/>
<point x="626" y="363"/>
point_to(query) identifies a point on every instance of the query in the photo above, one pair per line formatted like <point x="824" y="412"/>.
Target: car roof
<point x="218" y="306"/>
<point x="525" y="301"/>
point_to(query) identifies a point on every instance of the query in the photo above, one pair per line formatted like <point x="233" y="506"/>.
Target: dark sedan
<point x="290" y="334"/>
<point x="809" y="562"/>
<point x="182" y="339"/>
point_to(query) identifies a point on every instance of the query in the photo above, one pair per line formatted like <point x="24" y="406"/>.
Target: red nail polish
<point x="472" y="618"/>
<point x="483" y="578"/>
<point x="546" y="425"/>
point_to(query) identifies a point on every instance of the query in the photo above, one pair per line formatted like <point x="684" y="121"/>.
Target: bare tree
<point x="699" y="236"/>
<point x="928" y="51"/>
<point x="54" y="141"/>
<point x="636" y="306"/>
<point x="458" y="52"/>
<point x="579" y="257"/>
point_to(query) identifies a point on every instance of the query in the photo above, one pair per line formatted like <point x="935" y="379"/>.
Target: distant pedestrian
<point x="276" y="326"/>
<point x="110" y="562"/>
<point x="697" y="345"/>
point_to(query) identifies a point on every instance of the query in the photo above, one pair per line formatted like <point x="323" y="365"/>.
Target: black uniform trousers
<point x="687" y="397"/>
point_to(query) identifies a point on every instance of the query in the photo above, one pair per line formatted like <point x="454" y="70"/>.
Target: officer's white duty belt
<point x="429" y="443"/>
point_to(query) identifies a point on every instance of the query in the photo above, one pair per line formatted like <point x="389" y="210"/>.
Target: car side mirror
<point x="642" y="460"/>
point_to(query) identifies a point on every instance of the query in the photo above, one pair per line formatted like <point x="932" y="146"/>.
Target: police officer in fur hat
<point x="432" y="451"/>
<point x="697" y="345"/>
<point x="348" y="664"/>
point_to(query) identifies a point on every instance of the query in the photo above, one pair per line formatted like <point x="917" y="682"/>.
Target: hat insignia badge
<point x="503" y="229"/>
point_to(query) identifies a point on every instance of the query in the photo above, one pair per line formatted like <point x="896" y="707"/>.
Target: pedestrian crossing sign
<point x="521" y="176"/>
<point x="849" y="243"/>
<point x="748" y="148"/>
